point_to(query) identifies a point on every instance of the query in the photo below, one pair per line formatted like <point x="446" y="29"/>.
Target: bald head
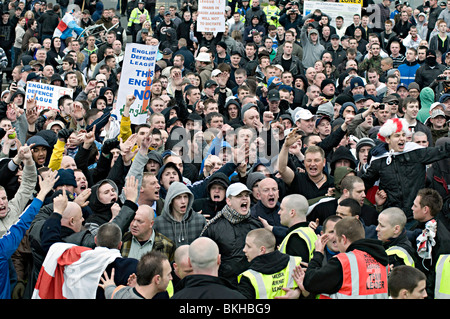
<point x="146" y="211"/>
<point x="181" y="264"/>
<point x="68" y="162"/>
<point x="141" y="227"/>
<point x="72" y="217"/>
<point x="204" y="256"/>
<point x="298" y="203"/>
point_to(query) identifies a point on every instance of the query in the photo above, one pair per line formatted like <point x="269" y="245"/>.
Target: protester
<point x="226" y="128"/>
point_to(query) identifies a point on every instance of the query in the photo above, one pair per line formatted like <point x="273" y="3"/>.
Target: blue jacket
<point x="10" y="242"/>
<point x="408" y="72"/>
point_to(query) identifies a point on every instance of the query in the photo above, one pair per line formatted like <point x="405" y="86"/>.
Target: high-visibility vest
<point x="305" y="233"/>
<point x="170" y="289"/>
<point x="363" y="277"/>
<point x="272" y="11"/>
<point x="269" y="286"/>
<point x="135" y="14"/>
<point x="442" y="285"/>
<point x="402" y="253"/>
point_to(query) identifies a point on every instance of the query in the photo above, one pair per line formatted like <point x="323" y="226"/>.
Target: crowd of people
<point x="288" y="156"/>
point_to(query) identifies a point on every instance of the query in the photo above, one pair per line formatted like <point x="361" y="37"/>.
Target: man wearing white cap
<point x="229" y="229"/>
<point x="203" y="66"/>
<point x="304" y="119"/>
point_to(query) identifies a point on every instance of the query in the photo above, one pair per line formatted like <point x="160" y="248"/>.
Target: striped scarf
<point x="229" y="214"/>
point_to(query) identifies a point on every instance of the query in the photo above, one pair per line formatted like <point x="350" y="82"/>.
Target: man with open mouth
<point x="400" y="166"/>
<point x="178" y="221"/>
<point x="268" y="206"/>
<point x="229" y="229"/>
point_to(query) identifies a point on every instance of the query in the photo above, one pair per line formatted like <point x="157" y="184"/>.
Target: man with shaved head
<point x="391" y="231"/>
<point x="142" y="238"/>
<point x="267" y="207"/>
<point x="300" y="237"/>
<point x="204" y="282"/>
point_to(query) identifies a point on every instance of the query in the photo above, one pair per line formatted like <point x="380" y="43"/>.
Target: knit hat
<point x="247" y="107"/>
<point x="392" y="126"/>
<point x="355" y="82"/>
<point x="345" y="105"/>
<point x="66" y="177"/>
<point x="342" y="98"/>
<point x="325" y="83"/>
<point x="253" y="178"/>
<point x="365" y="141"/>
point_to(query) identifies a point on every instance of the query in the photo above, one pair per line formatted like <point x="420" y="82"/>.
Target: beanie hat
<point x="66" y="177"/>
<point x="392" y="126"/>
<point x="253" y="178"/>
<point x="325" y="83"/>
<point x="342" y="98"/>
<point x="365" y="141"/>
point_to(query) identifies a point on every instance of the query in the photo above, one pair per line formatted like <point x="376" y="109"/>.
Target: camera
<point x="379" y="107"/>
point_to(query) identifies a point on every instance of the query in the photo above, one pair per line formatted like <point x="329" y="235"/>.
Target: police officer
<point x="300" y="239"/>
<point x="272" y="13"/>
<point x="270" y="272"/>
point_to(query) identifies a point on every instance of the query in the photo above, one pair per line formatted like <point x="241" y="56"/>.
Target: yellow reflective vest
<point x="272" y="11"/>
<point x="170" y="289"/>
<point x="269" y="286"/>
<point x="401" y="253"/>
<point x="305" y="233"/>
<point x="442" y="284"/>
<point x="135" y="14"/>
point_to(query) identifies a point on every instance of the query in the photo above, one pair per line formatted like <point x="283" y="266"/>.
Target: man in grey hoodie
<point x="312" y="49"/>
<point x="178" y="221"/>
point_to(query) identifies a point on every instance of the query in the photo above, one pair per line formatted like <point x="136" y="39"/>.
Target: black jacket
<point x="231" y="239"/>
<point x="426" y="74"/>
<point x="402" y="178"/>
<point x="403" y="242"/>
<point x="328" y="278"/>
<point x="207" y="205"/>
<point x="205" y="287"/>
<point x="272" y="217"/>
<point x="49" y="20"/>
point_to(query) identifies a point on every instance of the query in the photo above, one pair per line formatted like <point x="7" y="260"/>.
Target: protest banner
<point x="47" y="95"/>
<point x="211" y="16"/>
<point x="137" y="73"/>
<point x="333" y="10"/>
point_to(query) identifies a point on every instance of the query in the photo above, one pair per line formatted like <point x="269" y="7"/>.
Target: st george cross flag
<point x="72" y="272"/>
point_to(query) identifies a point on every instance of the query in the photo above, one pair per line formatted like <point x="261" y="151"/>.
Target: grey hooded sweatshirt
<point x="311" y="52"/>
<point x="189" y="228"/>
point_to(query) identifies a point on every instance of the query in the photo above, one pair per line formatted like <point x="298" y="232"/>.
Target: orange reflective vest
<point x="363" y="277"/>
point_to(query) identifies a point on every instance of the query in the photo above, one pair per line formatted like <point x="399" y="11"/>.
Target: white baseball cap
<point x="303" y="114"/>
<point x="236" y="188"/>
<point x="203" y="57"/>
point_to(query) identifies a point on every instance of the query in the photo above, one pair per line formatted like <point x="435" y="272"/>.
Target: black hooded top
<point x="101" y="212"/>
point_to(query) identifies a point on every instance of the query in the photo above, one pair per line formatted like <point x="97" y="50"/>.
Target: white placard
<point x="333" y="10"/>
<point x="137" y="73"/>
<point x="211" y="16"/>
<point x="47" y="95"/>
